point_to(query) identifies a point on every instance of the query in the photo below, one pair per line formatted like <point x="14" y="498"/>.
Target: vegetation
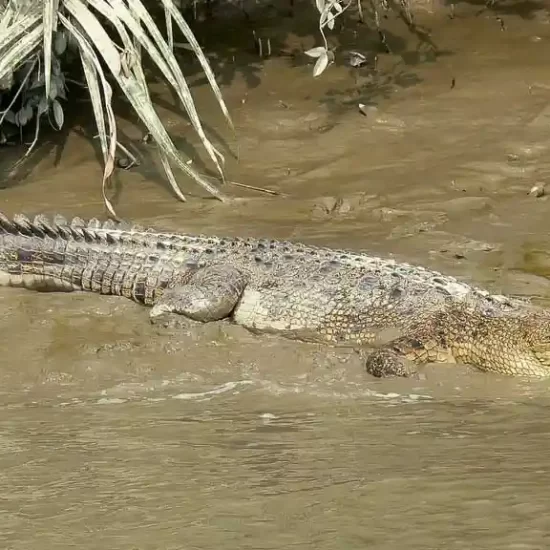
<point x="40" y="39"/>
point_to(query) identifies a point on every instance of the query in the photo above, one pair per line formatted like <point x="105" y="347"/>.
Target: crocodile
<point x="401" y="315"/>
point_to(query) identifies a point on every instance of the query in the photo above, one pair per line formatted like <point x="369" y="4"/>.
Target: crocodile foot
<point x="386" y="362"/>
<point x="209" y="295"/>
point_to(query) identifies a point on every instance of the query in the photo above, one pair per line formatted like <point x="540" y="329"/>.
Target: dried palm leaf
<point x="41" y="29"/>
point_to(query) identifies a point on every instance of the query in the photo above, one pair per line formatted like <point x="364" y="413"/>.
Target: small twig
<point x="381" y="34"/>
<point x="254" y="188"/>
<point x="126" y="151"/>
<point x="131" y="156"/>
<point x="77" y="82"/>
<point x="328" y="17"/>
<point x="251" y="187"/>
<point x="5" y="112"/>
<point x="36" y="134"/>
<point x="32" y="145"/>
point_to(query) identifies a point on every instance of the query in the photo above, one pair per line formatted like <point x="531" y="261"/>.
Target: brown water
<point x="118" y="434"/>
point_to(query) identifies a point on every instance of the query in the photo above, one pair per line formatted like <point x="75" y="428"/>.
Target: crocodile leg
<point x="396" y="358"/>
<point x="210" y="294"/>
<point x="459" y="334"/>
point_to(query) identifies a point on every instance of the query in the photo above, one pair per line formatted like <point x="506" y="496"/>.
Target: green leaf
<point x="58" y="113"/>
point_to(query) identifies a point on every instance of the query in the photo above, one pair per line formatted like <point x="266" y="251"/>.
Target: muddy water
<point x="118" y="434"/>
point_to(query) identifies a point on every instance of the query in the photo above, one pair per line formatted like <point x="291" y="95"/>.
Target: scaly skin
<point x="411" y="314"/>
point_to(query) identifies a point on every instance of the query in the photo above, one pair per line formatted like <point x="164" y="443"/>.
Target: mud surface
<point x="118" y="434"/>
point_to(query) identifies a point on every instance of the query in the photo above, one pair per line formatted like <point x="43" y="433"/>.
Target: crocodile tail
<point x="56" y="254"/>
<point x="58" y="227"/>
<point x="37" y="253"/>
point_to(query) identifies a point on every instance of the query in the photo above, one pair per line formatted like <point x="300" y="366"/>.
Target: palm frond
<point x="109" y="36"/>
<point x="190" y="37"/>
<point x="49" y="18"/>
<point x="13" y="57"/>
<point x="93" y="73"/>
